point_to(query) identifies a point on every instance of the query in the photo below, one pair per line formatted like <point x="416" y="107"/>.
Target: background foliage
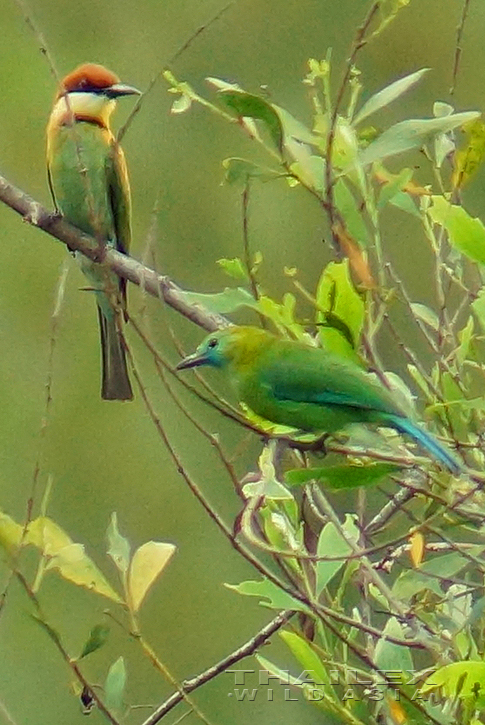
<point x="102" y="458"/>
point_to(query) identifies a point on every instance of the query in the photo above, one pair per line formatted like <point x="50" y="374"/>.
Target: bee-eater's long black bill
<point x="121" y="89"/>
<point x="191" y="361"/>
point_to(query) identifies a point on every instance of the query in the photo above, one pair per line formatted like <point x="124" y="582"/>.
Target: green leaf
<point x="97" y="638"/>
<point x="306" y="656"/>
<point x="244" y="104"/>
<point x="389" y="190"/>
<point x="389" y="94"/>
<point x="403" y="201"/>
<point x="240" y="171"/>
<point x="293" y="129"/>
<point x="114" y="686"/>
<point x="267" y="484"/>
<point x="350" y="210"/>
<point x="389" y="656"/>
<point x="181" y="104"/>
<point x="222" y="303"/>
<point x="280" y="532"/>
<point x="233" y="268"/>
<point x="118" y="545"/>
<point x="409" y="583"/>
<point x="466" y="233"/>
<point x="345" y="148"/>
<point x="403" y="397"/>
<point x="448" y="565"/>
<point x="285" y="131"/>
<point x="266" y="590"/>
<point x="223" y="85"/>
<point x="458" y="679"/>
<point x="387" y="11"/>
<point x="310" y="170"/>
<point x="478" y="307"/>
<point x="276" y="671"/>
<point x="411" y="134"/>
<point x="281" y="315"/>
<point x="444" y="143"/>
<point x="342" y="476"/>
<point x="426" y="315"/>
<point x="340" y="310"/>
<point x="331" y="543"/>
<point x="465" y="336"/>
<point x="148" y="562"/>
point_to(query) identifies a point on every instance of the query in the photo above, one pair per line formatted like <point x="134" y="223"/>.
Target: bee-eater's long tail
<point x="115" y="383"/>
<point x="426" y="441"/>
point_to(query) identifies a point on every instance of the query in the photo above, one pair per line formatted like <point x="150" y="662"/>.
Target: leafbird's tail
<point x="427" y="441"/>
<point x="116" y="383"/>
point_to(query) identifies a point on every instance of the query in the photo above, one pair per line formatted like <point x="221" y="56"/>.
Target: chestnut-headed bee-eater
<point x="294" y="384"/>
<point x="89" y="182"/>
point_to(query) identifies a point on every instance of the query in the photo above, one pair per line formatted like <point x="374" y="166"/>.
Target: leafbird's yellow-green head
<point x="233" y="345"/>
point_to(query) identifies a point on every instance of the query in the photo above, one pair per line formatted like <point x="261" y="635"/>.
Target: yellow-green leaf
<point x="74" y="564"/>
<point x="458" y="679"/>
<point x="233" y="268"/>
<point x="466" y="233"/>
<point x="306" y="656"/>
<point x="340" y="310"/>
<point x="47" y="536"/>
<point x="469" y="158"/>
<point x="146" y="565"/>
<point x="10" y="532"/>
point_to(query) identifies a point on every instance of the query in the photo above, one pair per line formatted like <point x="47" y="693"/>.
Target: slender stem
<point x="458" y="48"/>
<point x="245" y="650"/>
<point x="65" y="655"/>
<point x="358" y="43"/>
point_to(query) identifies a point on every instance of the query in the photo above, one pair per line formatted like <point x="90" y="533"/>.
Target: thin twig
<point x="201" y="29"/>
<point x="72" y="663"/>
<point x="329" y="203"/>
<point x="245" y="650"/>
<point x="458" y="48"/>
<point x="247" y="254"/>
<point x="211" y="437"/>
<point x="43" y="47"/>
<point x="9" y="719"/>
<point x="59" y="296"/>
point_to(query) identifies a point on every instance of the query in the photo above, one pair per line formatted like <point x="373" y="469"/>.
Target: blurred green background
<point x="106" y="457"/>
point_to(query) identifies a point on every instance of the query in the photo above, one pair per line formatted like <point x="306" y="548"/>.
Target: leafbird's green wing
<point x="310" y="375"/>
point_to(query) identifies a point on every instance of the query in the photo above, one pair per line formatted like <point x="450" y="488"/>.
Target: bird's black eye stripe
<point x="92" y="89"/>
<point x="212" y="343"/>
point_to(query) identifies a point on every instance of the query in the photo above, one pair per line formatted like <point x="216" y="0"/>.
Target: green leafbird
<point x="89" y="182"/>
<point x="294" y="384"/>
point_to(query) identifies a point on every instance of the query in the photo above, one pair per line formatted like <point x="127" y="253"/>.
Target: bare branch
<point x="247" y="649"/>
<point x="157" y="285"/>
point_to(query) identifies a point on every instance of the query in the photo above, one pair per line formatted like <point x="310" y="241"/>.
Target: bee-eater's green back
<point x="78" y="167"/>
<point x="89" y="182"/>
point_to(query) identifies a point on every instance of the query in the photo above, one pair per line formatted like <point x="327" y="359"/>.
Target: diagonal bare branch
<point x="157" y="285"/>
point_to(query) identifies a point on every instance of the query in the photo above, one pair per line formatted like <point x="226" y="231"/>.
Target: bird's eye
<point x="212" y="343"/>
